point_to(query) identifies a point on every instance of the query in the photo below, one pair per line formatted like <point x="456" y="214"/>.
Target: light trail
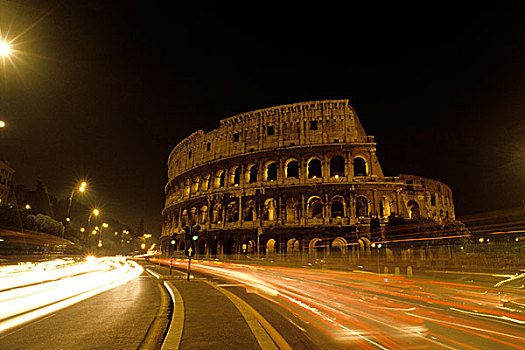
<point x="30" y="291"/>
<point x="363" y="310"/>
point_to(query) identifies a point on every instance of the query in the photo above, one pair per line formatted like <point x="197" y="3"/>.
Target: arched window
<point x="206" y="183"/>
<point x="359" y="167"/>
<point x="361" y="207"/>
<point x="385" y="207"/>
<point x="250" y="213"/>
<point x="216" y="214"/>
<point x="413" y="210"/>
<point x="252" y="174"/>
<point x="196" y="185"/>
<point x="315" y="208"/>
<point x="337" y="209"/>
<point x="203" y="215"/>
<point x="184" y="220"/>
<point x="235" y="176"/>
<point x="270" y="209"/>
<point x="271" y="171"/>
<point x="220" y="176"/>
<point x="232" y="212"/>
<point x="337" y="166"/>
<point x="292" y="209"/>
<point x="314" y="168"/>
<point x="292" y="169"/>
<point x="193" y="216"/>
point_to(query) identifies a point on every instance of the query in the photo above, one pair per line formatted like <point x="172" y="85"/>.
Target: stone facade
<point x="289" y="179"/>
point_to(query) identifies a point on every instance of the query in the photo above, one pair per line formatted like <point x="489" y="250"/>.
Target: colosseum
<point x="292" y="179"/>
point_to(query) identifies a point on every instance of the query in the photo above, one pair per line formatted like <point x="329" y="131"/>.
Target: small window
<point x="236" y="137"/>
<point x="336" y="140"/>
<point x="252" y="149"/>
<point x="313" y="125"/>
<point x="271" y="130"/>
<point x="189" y="155"/>
<point x="208" y="146"/>
<point x="433" y="200"/>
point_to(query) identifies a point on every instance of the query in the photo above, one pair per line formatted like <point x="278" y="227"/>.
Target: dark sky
<point x="105" y="89"/>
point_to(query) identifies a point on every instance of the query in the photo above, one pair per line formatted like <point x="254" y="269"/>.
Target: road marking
<point x="174" y="336"/>
<point x="153" y="273"/>
<point x="266" y="335"/>
<point x="505" y="318"/>
<point x="156" y="327"/>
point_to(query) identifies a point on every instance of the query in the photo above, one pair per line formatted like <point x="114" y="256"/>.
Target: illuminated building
<point x="6" y="176"/>
<point x="297" y="178"/>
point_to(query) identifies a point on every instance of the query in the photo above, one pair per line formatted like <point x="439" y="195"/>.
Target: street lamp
<point x="5" y="49"/>
<point x="81" y="188"/>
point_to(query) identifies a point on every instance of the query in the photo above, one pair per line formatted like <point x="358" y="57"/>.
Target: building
<point x="292" y="179"/>
<point x="6" y="177"/>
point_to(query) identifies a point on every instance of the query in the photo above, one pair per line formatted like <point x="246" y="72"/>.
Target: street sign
<point x="190" y="251"/>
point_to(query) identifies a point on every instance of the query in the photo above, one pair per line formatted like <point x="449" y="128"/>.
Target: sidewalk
<point x="209" y="317"/>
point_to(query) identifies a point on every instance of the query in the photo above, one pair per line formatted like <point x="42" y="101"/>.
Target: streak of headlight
<point x="96" y="284"/>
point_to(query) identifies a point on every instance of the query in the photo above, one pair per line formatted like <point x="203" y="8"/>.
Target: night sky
<point x="105" y="89"/>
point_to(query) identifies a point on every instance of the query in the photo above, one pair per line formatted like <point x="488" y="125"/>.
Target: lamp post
<point x="5" y="51"/>
<point x="94" y="212"/>
<point x="104" y="225"/>
<point x="81" y="188"/>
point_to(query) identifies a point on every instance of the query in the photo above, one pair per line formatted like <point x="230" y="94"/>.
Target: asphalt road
<point x="115" y="319"/>
<point x="330" y="309"/>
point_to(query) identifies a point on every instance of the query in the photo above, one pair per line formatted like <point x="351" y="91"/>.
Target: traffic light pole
<point x="189" y="269"/>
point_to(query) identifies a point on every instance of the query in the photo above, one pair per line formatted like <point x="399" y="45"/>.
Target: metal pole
<point x="171" y="263"/>
<point x="189" y="263"/>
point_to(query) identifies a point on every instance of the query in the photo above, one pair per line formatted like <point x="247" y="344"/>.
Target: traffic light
<point x="195" y="237"/>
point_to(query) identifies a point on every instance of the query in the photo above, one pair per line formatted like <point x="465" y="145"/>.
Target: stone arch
<point x="339" y="247"/>
<point x="292" y="209"/>
<point x="219" y="179"/>
<point x="232" y="211"/>
<point x="270" y="209"/>
<point x="337" y="166"/>
<point x="364" y="245"/>
<point x="271" y="247"/>
<point x="235" y="176"/>
<point x="291" y="168"/>
<point x="205" y="182"/>
<point x="187" y="186"/>
<point x="251" y="174"/>
<point x="360" y="166"/>
<point x="362" y="207"/>
<point x="270" y="171"/>
<point x="250" y="212"/>
<point x="338" y="207"/>
<point x="195" y="186"/>
<point x="315" y="207"/>
<point x="203" y="217"/>
<point x="184" y="219"/>
<point x="229" y="246"/>
<point x="293" y="247"/>
<point x="216" y="214"/>
<point x="248" y="247"/>
<point x="314" y="168"/>
<point x="385" y="207"/>
<point x="193" y="216"/>
<point x="413" y="209"/>
<point x="315" y="247"/>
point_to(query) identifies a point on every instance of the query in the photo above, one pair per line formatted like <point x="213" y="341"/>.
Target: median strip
<point x="266" y="335"/>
